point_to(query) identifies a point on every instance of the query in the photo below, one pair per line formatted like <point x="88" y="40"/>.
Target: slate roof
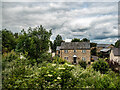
<point x="105" y="50"/>
<point x="103" y="45"/>
<point x="58" y="48"/>
<point x="75" y="45"/>
<point x="95" y="58"/>
<point x="116" y="51"/>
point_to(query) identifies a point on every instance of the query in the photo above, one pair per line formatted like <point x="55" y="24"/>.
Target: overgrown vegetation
<point x="19" y="73"/>
<point x="101" y="66"/>
<point x="83" y="64"/>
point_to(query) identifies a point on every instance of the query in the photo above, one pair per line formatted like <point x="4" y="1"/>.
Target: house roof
<point x="95" y="57"/>
<point x="116" y="51"/>
<point x="103" y="45"/>
<point x="75" y="45"/>
<point x="58" y="48"/>
<point x="105" y="50"/>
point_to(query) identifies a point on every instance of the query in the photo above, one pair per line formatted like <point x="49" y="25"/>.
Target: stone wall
<point x="78" y="53"/>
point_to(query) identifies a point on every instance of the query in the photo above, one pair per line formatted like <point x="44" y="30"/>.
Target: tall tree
<point x="16" y="35"/>
<point x="75" y="40"/>
<point x="8" y="41"/>
<point x="93" y="44"/>
<point x="85" y="40"/>
<point x="117" y="43"/>
<point x="0" y="42"/>
<point x="35" y="42"/>
<point x="93" y="51"/>
<point x="57" y="42"/>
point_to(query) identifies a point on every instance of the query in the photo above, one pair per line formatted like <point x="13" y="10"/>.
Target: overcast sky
<point x="93" y="20"/>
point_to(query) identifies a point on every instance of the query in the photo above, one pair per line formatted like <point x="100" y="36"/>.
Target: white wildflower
<point x="53" y="65"/>
<point x="61" y="68"/>
<point x="50" y="75"/>
<point x="58" y="78"/>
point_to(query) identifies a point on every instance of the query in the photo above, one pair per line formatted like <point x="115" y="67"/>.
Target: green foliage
<point x="0" y="42"/>
<point x="93" y="44"/>
<point x="59" y="60"/>
<point x="35" y="42"/>
<point x="85" y="40"/>
<point x="7" y="58"/>
<point x="93" y="51"/>
<point x="82" y="64"/>
<point x="78" y="40"/>
<point x="101" y="66"/>
<point x="8" y="41"/>
<point x="75" y="40"/>
<point x="57" y="42"/>
<point x="117" y="44"/>
<point x="20" y="74"/>
<point x="100" y="55"/>
<point x="16" y="35"/>
<point x="44" y="57"/>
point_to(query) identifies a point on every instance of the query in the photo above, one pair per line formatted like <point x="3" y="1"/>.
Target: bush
<point x="82" y="64"/>
<point x="49" y="76"/>
<point x="44" y="57"/>
<point x="101" y="66"/>
<point x="7" y="58"/>
<point x="46" y="75"/>
<point x="59" y="60"/>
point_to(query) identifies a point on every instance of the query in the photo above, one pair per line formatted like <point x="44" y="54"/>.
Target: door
<point x="74" y="59"/>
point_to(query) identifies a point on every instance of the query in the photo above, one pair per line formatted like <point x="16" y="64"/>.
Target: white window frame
<point x="66" y="58"/>
<point x="83" y="51"/>
<point x="65" y="51"/>
<point x="83" y="58"/>
<point x="74" y="51"/>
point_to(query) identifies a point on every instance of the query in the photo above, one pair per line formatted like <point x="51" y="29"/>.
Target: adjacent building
<point x="73" y="52"/>
<point x="115" y="55"/>
<point x="103" y="47"/>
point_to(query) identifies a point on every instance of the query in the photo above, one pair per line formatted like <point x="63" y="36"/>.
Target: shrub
<point x="82" y="64"/>
<point x="49" y="76"/>
<point x="44" y="57"/>
<point x="7" y="58"/>
<point x="101" y="66"/>
<point x="59" y="60"/>
<point x="46" y="75"/>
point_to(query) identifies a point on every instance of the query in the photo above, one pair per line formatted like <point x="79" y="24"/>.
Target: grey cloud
<point x="80" y="30"/>
<point x="93" y="20"/>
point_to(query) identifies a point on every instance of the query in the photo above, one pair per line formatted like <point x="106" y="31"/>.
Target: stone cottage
<point x="103" y="46"/>
<point x="73" y="52"/>
<point x="115" y="55"/>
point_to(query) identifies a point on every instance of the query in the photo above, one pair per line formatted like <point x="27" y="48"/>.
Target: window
<point x="88" y="62"/>
<point x="66" y="51"/>
<point x="83" y="58"/>
<point x="66" y="58"/>
<point x="74" y="51"/>
<point x="83" y="51"/>
<point x="58" y="52"/>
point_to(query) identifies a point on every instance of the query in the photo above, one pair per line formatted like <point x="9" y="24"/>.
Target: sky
<point x="97" y="21"/>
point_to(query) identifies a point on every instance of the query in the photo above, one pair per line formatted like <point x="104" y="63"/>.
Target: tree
<point x="101" y="66"/>
<point x="35" y="42"/>
<point x="85" y="40"/>
<point x="117" y="43"/>
<point x="57" y="42"/>
<point x="0" y="41"/>
<point x="93" y="44"/>
<point x="83" y="64"/>
<point x="8" y="41"/>
<point x="75" y="40"/>
<point x="16" y="35"/>
<point x="93" y="51"/>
